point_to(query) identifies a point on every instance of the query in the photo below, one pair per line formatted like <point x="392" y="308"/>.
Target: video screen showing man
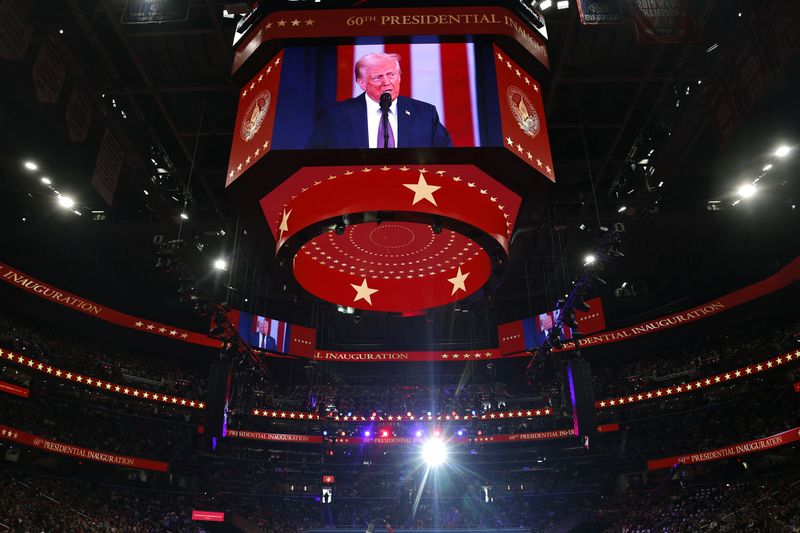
<point x="379" y="117"/>
<point x="262" y="339"/>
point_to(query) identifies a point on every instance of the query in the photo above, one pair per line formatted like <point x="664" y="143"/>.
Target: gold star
<point x="458" y="282"/>
<point x="295" y="22"/>
<point x="281" y="23"/>
<point x="310" y="22"/>
<point x="363" y="292"/>
<point x="422" y="191"/>
<point x="285" y="221"/>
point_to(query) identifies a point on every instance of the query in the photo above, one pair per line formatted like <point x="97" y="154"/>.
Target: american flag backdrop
<point x="441" y="74"/>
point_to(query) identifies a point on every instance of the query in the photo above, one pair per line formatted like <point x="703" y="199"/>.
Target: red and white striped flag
<point x="441" y="74"/>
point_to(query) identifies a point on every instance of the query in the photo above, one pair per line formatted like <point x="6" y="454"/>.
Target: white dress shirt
<point x="374" y="121"/>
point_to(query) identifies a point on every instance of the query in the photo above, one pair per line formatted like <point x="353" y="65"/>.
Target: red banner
<point x="16" y="390"/>
<point x="663" y="22"/>
<point x="522" y="115"/>
<point x="722" y="110"/>
<point x="255" y="119"/>
<point x="90" y="381"/>
<point x="537" y="435"/>
<point x="750" y="74"/>
<point x="275" y="437"/>
<point x="376" y="357"/>
<point x="459" y="21"/>
<point x="28" y="439"/>
<point x="700" y="383"/>
<point x="208" y="516"/>
<point x="38" y="288"/>
<point x="528" y="412"/>
<point x="734" y="450"/>
<point x="788" y="274"/>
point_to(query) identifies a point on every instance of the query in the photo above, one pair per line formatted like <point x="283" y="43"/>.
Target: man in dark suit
<point x="359" y="123"/>
<point x="261" y="338"/>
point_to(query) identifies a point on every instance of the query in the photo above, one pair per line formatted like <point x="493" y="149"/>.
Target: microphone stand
<point x="385" y="118"/>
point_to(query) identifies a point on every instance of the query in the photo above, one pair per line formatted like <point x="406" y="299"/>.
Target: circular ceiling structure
<point x="392" y="266"/>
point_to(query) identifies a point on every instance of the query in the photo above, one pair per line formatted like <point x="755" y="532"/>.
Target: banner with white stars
<point x="522" y="115"/>
<point x="705" y="382"/>
<point x="300" y="416"/>
<point x="38" y="288"/>
<point x="282" y="26"/>
<point x="18" y="436"/>
<point x="255" y="119"/>
<point x="97" y="383"/>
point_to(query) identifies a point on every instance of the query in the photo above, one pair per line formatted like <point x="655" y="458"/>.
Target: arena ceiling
<point x="611" y="104"/>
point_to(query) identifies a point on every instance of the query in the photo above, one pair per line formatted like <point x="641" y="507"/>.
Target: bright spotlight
<point x="220" y="264"/>
<point x="562" y="4"/>
<point x="418" y="433"/>
<point x="545" y="4"/>
<point x="747" y="190"/>
<point x="30" y="165"/>
<point x="622" y="209"/>
<point x="782" y="151"/>
<point x="589" y="259"/>
<point x="46" y="180"/>
<point x="434" y="452"/>
<point x="184" y="216"/>
<point x="66" y="202"/>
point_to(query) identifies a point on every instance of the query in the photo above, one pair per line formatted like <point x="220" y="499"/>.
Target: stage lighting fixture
<point x="220" y="264"/>
<point x="747" y="190"/>
<point x="460" y="432"/>
<point x="782" y="151"/>
<point x="562" y="4"/>
<point x="46" y="180"/>
<point x="184" y="216"/>
<point x="418" y="433"/>
<point x="546" y="4"/>
<point x="570" y="320"/>
<point x="589" y="259"/>
<point x="30" y="165"/>
<point x="66" y="202"/>
<point x="367" y="433"/>
<point x="622" y="209"/>
<point x="339" y="229"/>
<point x="384" y="433"/>
<point x="434" y="453"/>
<point x="766" y="167"/>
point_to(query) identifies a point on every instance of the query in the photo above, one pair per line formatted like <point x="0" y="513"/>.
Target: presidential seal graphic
<point x="524" y="113"/>
<point x="254" y="115"/>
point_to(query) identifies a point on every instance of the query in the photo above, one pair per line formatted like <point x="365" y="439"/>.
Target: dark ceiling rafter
<point x="168" y="120"/>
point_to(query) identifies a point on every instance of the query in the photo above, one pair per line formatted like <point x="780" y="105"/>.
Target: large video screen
<point x="538" y="327"/>
<point x="330" y="97"/>
<point x="264" y="333"/>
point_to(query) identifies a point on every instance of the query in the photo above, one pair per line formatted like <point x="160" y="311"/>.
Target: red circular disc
<point x="393" y="266"/>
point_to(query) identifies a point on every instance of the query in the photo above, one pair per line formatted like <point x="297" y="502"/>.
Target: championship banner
<point x="663" y="22"/>
<point x="16" y="390"/>
<point x="594" y="12"/>
<point x="734" y="450"/>
<point x="28" y="439"/>
<point x="38" y="288"/>
<point x="522" y="115"/>
<point x="274" y="437"/>
<point x="466" y="20"/>
<point x="722" y="110"/>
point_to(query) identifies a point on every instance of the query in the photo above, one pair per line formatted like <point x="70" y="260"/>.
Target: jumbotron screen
<point x="330" y="97"/>
<point x="263" y="332"/>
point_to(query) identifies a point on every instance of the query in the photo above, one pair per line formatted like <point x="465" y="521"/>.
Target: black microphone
<point x="385" y="103"/>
